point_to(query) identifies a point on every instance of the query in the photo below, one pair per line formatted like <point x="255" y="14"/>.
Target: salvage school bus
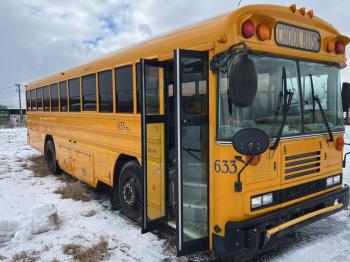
<point x="229" y="131"/>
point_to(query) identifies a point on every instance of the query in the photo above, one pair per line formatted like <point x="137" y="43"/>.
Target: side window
<point x="33" y="99"/>
<point x="74" y="95"/>
<point x="105" y="91"/>
<point x="28" y="100"/>
<point x="89" y="92"/>
<point x="46" y="95"/>
<point x="39" y="98"/>
<point x="124" y="89"/>
<point x="63" y="96"/>
<point x="54" y="97"/>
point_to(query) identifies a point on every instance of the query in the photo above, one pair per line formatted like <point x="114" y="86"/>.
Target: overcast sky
<point x="41" y="37"/>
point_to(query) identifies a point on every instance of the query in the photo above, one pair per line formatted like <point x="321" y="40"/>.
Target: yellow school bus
<point x="229" y="131"/>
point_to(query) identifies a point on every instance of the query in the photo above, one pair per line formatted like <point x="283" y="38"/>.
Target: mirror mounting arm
<point x="238" y="184"/>
<point x="215" y="62"/>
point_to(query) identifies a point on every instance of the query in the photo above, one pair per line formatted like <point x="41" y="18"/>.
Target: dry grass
<point x="76" y="191"/>
<point x="2" y="258"/>
<point x="89" y="213"/>
<point x="95" y="253"/>
<point x="25" y="256"/>
<point x="38" y="166"/>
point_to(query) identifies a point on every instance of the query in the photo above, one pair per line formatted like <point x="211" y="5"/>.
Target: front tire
<point x="131" y="191"/>
<point x="50" y="157"/>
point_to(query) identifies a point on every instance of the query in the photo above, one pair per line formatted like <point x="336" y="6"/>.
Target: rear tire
<point x="50" y="158"/>
<point x="131" y="191"/>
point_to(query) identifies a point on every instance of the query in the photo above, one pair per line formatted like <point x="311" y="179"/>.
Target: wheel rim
<point x="130" y="192"/>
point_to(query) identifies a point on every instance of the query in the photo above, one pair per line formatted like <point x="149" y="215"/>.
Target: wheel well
<point x="118" y="166"/>
<point x="121" y="161"/>
<point x="48" y="138"/>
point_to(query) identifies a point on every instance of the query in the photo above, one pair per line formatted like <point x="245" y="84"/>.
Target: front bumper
<point x="253" y="234"/>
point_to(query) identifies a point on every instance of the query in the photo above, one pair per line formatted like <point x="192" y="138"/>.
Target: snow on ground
<point x="30" y="210"/>
<point x="27" y="204"/>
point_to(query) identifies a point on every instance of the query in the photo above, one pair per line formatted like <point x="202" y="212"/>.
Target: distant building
<point x="4" y="115"/>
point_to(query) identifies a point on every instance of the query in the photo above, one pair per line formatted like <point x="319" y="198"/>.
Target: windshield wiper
<point x="317" y="99"/>
<point x="287" y="97"/>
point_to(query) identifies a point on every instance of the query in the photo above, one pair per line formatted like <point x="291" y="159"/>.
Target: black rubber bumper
<point x="251" y="234"/>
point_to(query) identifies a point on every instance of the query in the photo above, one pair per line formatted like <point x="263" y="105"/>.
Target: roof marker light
<point x="311" y="13"/>
<point x="339" y="47"/>
<point x="248" y="29"/>
<point x="330" y="46"/>
<point x="293" y="7"/>
<point x="263" y="32"/>
<point x="302" y="10"/>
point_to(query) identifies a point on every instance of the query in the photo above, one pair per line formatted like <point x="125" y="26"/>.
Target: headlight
<point x="261" y="201"/>
<point x="330" y="181"/>
<point x="267" y="199"/>
<point x="333" y="180"/>
<point x="336" y="179"/>
<point x="256" y="202"/>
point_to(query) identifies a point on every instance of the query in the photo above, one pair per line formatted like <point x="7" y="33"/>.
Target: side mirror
<point x="250" y="142"/>
<point x="243" y="81"/>
<point x="345" y="96"/>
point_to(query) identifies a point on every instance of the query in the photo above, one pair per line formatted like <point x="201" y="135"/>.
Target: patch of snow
<point x="24" y="227"/>
<point x="40" y="220"/>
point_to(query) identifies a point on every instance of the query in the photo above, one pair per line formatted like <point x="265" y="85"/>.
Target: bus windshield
<point x="266" y="111"/>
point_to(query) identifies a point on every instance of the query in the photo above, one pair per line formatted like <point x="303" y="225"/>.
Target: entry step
<point x="201" y="205"/>
<point x="193" y="182"/>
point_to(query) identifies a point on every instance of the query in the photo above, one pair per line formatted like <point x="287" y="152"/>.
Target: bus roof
<point x="216" y="34"/>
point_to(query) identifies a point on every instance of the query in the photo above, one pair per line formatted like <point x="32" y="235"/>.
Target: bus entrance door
<point x="192" y="150"/>
<point x="154" y="143"/>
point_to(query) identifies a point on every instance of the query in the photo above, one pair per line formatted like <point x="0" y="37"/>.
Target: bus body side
<point x="88" y="144"/>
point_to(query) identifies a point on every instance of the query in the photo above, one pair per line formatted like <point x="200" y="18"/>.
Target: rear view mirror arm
<point x="216" y="63"/>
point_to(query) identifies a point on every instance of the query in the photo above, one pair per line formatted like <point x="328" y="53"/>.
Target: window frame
<point x="82" y="93"/>
<point x="28" y="101"/>
<point x="301" y="94"/>
<point x="69" y="94"/>
<point x="60" y="97"/>
<point x="111" y="70"/>
<point x="42" y="102"/>
<point x="58" y="102"/>
<point x="116" y="88"/>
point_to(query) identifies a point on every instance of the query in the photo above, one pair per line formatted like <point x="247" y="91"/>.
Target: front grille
<point x="302" y="164"/>
<point x="302" y="190"/>
<point x="291" y="193"/>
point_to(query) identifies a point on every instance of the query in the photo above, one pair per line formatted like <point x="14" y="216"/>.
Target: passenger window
<point x="33" y="99"/>
<point x="89" y="92"/>
<point x="54" y="97"/>
<point x="39" y="98"/>
<point x="74" y="95"/>
<point x="105" y="91"/>
<point x="124" y="89"/>
<point x="46" y="95"/>
<point x="28" y="100"/>
<point x="63" y="96"/>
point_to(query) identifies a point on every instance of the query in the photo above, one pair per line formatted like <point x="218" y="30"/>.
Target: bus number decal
<point x="225" y="166"/>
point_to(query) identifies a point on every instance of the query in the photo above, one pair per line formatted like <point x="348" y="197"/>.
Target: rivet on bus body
<point x="223" y="39"/>
<point x="217" y="229"/>
<point x="302" y="10"/>
<point x="293" y="7"/>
